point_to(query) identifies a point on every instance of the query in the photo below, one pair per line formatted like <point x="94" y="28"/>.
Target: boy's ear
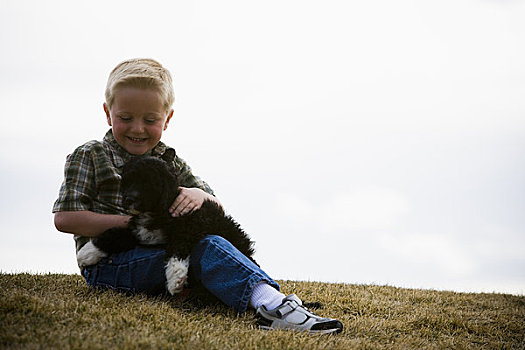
<point x="170" y="114"/>
<point x="108" y="116"/>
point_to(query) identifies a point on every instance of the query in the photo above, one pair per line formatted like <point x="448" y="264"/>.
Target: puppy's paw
<point x="89" y="254"/>
<point x="176" y="274"/>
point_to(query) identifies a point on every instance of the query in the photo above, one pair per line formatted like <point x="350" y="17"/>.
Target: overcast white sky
<point x="356" y="141"/>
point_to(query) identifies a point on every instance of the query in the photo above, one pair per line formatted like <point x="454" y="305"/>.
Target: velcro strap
<point x="287" y="308"/>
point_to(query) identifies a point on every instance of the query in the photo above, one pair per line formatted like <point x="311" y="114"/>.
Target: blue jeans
<point x="215" y="263"/>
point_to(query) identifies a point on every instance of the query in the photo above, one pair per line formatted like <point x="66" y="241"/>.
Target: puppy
<point x="149" y="186"/>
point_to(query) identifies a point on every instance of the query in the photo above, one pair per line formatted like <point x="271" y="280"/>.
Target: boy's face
<point x="137" y="118"/>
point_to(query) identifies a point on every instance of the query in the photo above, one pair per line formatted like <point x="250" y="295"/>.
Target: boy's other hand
<point x="189" y="200"/>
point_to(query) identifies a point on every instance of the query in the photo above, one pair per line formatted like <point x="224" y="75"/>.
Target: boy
<point x="139" y="97"/>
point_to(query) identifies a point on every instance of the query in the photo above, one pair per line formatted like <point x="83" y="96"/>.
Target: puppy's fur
<point x="149" y="186"/>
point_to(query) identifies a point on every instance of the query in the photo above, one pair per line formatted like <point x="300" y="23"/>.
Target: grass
<point x="60" y="311"/>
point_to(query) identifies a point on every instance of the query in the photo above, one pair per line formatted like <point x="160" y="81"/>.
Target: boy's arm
<point x="88" y="165"/>
<point x="88" y="223"/>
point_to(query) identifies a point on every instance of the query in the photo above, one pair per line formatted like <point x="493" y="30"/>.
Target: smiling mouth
<point x="137" y="139"/>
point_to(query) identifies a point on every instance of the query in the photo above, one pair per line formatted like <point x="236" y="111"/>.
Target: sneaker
<point x="292" y="315"/>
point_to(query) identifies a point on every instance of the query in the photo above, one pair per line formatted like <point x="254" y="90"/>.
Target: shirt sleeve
<point x="187" y="179"/>
<point x="77" y="190"/>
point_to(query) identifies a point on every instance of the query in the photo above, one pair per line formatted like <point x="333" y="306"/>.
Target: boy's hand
<point x="188" y="200"/>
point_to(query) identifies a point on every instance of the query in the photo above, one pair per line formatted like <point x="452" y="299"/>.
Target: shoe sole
<point x="324" y="331"/>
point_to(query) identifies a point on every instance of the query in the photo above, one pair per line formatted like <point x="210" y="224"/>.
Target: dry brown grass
<point x="60" y="311"/>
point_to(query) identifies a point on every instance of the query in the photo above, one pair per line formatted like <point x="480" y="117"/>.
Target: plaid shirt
<point x="92" y="178"/>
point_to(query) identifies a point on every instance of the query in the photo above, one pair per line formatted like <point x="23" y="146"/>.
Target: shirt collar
<point x="121" y="156"/>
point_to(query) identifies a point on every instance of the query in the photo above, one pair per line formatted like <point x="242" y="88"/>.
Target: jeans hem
<point x="248" y="291"/>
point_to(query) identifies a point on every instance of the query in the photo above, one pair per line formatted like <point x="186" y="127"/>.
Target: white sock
<point x="264" y="294"/>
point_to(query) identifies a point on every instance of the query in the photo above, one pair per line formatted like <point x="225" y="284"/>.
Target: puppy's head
<point x="148" y="185"/>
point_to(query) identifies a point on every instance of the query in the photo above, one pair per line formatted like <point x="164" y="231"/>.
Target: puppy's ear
<point x="168" y="156"/>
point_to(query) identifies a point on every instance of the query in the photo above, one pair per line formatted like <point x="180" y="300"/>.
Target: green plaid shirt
<point x="92" y="178"/>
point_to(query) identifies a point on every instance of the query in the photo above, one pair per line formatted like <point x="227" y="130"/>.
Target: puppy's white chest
<point x="147" y="236"/>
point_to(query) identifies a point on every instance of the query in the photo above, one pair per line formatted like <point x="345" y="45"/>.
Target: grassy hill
<point x="59" y="311"/>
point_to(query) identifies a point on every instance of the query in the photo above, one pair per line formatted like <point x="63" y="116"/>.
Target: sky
<point x="368" y="142"/>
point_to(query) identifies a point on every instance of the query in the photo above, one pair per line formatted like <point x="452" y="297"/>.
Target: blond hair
<point x="143" y="73"/>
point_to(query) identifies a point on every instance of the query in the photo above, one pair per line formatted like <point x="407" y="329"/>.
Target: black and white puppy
<point x="149" y="186"/>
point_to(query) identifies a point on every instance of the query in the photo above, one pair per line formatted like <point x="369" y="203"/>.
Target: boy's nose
<point x="138" y="127"/>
